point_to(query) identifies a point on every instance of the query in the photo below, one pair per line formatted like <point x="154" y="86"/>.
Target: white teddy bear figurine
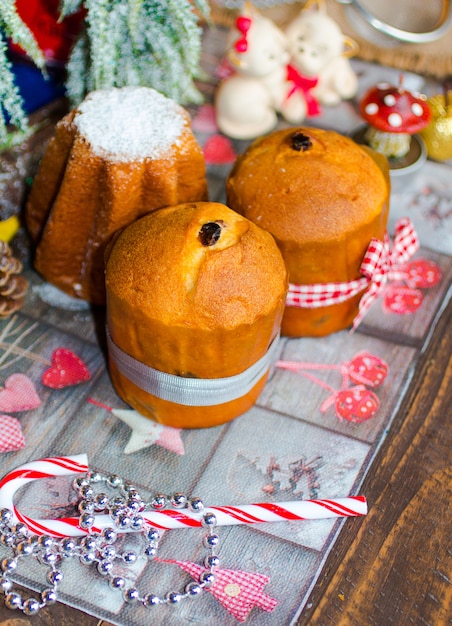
<point x="247" y="102"/>
<point x="317" y="50"/>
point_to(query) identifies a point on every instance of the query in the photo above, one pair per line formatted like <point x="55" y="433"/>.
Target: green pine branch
<point x="153" y="43"/>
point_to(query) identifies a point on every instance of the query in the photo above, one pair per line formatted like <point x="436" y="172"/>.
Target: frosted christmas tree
<point x="154" y="43"/>
<point x="13" y="28"/>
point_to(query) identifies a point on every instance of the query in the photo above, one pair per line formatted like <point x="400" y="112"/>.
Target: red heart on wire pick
<point x="11" y="436"/>
<point x="18" y="394"/>
<point x="67" y="369"/>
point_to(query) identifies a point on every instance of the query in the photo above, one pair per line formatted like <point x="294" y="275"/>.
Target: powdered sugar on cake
<point x="130" y="123"/>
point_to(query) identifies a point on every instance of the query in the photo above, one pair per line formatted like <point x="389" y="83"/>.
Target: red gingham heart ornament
<point x="11" y="436"/>
<point x="18" y="394"/>
<point x="402" y="300"/>
<point x="356" y="404"/>
<point x="67" y="369"/>
<point x="367" y="369"/>
<point x="422" y="273"/>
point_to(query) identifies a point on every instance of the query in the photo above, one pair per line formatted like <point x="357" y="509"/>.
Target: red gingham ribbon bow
<point x="380" y="265"/>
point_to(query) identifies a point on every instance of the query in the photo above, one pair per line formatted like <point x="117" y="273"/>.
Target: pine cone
<point x="12" y="286"/>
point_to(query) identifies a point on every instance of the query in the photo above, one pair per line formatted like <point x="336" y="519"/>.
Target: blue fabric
<point x="35" y="89"/>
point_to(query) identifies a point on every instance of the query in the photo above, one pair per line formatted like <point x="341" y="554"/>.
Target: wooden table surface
<point x="395" y="565"/>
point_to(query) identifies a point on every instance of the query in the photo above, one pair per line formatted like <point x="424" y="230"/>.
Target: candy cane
<point x="167" y="519"/>
<point x="37" y="470"/>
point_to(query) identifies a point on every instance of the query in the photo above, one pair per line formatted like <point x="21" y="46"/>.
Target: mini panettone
<point x="195" y="297"/>
<point x="121" y="153"/>
<point x="323" y="198"/>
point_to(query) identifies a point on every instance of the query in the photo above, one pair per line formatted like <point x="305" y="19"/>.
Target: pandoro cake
<point x="195" y="297"/>
<point x="323" y="198"/>
<point x="121" y="153"/>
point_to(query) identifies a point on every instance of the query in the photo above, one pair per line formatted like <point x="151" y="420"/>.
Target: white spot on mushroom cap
<point x="383" y="85"/>
<point x="389" y="100"/>
<point x="395" y="120"/>
<point x="371" y="108"/>
<point x="417" y="109"/>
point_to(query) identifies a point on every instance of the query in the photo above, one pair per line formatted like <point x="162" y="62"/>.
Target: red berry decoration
<point x="402" y="300"/>
<point x="422" y="273"/>
<point x="367" y="369"/>
<point x="356" y="404"/>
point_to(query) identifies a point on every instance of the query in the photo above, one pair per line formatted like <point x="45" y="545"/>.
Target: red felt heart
<point x="204" y="121"/>
<point x="402" y="300"/>
<point x="224" y="69"/>
<point x="356" y="404"/>
<point x="11" y="436"/>
<point x="218" y="150"/>
<point x="18" y="394"/>
<point x="67" y="369"/>
<point x="367" y="369"/>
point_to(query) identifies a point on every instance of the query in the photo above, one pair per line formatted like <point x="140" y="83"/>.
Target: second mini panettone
<point x="120" y="154"/>
<point x="195" y="297"/>
<point x="323" y="198"/>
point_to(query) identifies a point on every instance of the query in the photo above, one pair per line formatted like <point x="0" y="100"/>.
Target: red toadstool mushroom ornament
<point x="394" y="115"/>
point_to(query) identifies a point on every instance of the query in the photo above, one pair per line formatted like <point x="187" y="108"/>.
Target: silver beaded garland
<point x="158" y="502"/>
<point x="6" y="584"/>
<point x="151" y="600"/>
<point x="193" y="588"/>
<point x="95" y="548"/>
<point x="30" y="606"/>
<point x="117" y="582"/>
<point x="8" y="539"/>
<point x="178" y="500"/>
<point x="54" y="577"/>
<point x="13" y="600"/>
<point x="21" y="529"/>
<point x="48" y="596"/>
<point x="5" y="516"/>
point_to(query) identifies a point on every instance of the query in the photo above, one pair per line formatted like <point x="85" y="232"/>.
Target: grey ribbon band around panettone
<point x="190" y="391"/>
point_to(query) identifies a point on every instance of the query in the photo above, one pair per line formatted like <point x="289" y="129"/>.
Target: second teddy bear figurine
<point x="319" y="50"/>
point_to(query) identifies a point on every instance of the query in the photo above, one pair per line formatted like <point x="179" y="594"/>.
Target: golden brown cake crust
<point x="323" y="205"/>
<point x="161" y="278"/>
<point x="82" y="194"/>
<point x="324" y="192"/>
<point x="159" y="263"/>
<point x="191" y="309"/>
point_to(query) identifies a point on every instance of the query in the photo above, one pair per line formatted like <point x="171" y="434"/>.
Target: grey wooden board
<point x="223" y="465"/>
